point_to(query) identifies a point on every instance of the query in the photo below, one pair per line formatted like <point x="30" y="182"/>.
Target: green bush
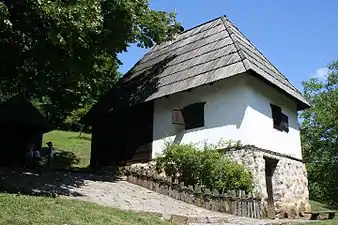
<point x="72" y="121"/>
<point x="207" y="167"/>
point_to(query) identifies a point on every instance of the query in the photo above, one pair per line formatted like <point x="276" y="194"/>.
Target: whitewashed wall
<point x="258" y="120"/>
<point x="238" y="109"/>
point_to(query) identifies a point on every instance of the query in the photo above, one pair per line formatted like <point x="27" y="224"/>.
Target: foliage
<point x="64" y="53"/>
<point x="207" y="167"/>
<point x="72" y="120"/>
<point x="319" y="133"/>
<point x="20" y="209"/>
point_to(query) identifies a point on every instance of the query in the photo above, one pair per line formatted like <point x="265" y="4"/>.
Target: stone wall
<point x="289" y="180"/>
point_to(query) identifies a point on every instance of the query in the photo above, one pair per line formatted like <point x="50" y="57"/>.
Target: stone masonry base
<point x="289" y="179"/>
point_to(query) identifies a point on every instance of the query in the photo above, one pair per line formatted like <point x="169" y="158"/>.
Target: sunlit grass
<point x="72" y="149"/>
<point x="29" y="210"/>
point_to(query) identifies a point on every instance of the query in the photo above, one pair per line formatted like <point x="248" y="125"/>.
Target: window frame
<point x="280" y="119"/>
<point x="190" y="116"/>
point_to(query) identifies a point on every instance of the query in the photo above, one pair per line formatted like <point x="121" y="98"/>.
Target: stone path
<point x="124" y="195"/>
<point x="120" y="194"/>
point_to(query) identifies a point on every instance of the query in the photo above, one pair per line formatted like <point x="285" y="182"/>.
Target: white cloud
<point x="321" y="73"/>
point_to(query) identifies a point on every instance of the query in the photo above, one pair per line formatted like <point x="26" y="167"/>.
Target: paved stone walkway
<point x="107" y="191"/>
<point x="124" y="195"/>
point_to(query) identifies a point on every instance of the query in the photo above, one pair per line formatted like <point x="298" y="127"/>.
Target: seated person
<point x="37" y="155"/>
<point x="29" y="153"/>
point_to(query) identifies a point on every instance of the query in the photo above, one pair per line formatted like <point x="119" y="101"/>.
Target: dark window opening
<point x="285" y="123"/>
<point x="280" y="120"/>
<point x="193" y="115"/>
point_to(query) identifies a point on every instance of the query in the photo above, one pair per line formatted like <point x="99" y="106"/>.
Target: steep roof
<point x="204" y="54"/>
<point x="19" y="110"/>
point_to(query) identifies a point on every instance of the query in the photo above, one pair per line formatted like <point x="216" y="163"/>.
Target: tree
<point x="319" y="133"/>
<point x="66" y="50"/>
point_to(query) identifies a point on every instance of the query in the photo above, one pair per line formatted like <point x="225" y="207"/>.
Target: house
<point x="209" y="83"/>
<point x="20" y="123"/>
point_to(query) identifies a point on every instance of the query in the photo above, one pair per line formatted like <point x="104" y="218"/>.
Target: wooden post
<point x="233" y="202"/>
<point x="244" y="203"/>
<point x="239" y="203"/>
<point x="250" y="204"/>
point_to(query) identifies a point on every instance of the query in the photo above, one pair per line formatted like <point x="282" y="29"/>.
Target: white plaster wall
<point x="237" y="108"/>
<point x="258" y="123"/>
<point x="224" y="111"/>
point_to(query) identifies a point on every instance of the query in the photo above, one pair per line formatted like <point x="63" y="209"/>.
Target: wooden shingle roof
<point x="207" y="53"/>
<point x="19" y="110"/>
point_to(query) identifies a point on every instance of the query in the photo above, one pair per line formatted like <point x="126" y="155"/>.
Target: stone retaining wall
<point x="289" y="180"/>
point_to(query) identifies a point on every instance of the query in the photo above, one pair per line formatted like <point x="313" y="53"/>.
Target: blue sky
<point x="300" y="37"/>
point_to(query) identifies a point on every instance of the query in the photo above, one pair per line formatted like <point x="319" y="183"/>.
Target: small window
<point x="280" y="120"/>
<point x="193" y="115"/>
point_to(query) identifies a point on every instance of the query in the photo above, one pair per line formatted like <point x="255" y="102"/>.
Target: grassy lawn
<point x="26" y="210"/>
<point x="71" y="149"/>
<point x="316" y="206"/>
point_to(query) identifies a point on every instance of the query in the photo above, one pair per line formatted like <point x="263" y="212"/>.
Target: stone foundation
<point x="289" y="180"/>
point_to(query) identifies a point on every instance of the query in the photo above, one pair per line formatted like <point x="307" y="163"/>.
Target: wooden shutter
<point x="285" y="122"/>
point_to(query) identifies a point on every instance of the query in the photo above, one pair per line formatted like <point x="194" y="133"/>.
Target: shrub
<point x="72" y="120"/>
<point x="207" y="167"/>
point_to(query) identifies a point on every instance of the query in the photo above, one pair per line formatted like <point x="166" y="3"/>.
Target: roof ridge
<point x="163" y="53"/>
<point x="125" y="75"/>
<point x="209" y="21"/>
<point x="175" y="40"/>
<point x="233" y="25"/>
<point x="238" y="49"/>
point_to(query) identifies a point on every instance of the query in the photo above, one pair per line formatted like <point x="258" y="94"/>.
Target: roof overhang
<point x="301" y="105"/>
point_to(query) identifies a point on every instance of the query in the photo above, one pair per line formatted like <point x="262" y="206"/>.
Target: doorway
<point x="270" y="167"/>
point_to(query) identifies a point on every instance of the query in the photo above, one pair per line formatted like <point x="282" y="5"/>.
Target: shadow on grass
<point x="60" y="179"/>
<point x="62" y="159"/>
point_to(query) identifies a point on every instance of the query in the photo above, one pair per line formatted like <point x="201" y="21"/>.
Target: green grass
<point x="27" y="210"/>
<point x="317" y="206"/>
<point x="72" y="150"/>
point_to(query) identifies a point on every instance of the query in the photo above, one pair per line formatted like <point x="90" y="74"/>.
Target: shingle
<point x="207" y="53"/>
<point x="228" y="71"/>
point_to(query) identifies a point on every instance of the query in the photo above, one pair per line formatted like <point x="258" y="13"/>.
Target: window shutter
<point x="177" y="117"/>
<point x="285" y="122"/>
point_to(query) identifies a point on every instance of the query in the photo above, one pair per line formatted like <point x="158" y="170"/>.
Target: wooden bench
<point x="315" y="214"/>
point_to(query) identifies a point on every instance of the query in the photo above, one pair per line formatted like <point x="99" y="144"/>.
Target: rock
<point x="179" y="219"/>
<point x="289" y="181"/>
